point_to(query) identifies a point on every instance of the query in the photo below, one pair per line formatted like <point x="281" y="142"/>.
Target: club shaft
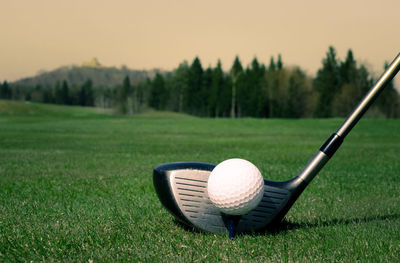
<point x="333" y="143"/>
<point x="373" y="93"/>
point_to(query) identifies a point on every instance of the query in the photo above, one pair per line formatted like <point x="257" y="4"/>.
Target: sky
<point x="46" y="34"/>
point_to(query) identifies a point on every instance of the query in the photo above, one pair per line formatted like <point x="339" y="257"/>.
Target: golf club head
<point x="182" y="189"/>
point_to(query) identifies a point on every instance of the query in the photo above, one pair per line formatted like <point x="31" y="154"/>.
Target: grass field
<point x="76" y="185"/>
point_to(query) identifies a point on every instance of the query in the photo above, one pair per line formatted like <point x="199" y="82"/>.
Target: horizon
<point x="87" y="64"/>
<point x="44" y="35"/>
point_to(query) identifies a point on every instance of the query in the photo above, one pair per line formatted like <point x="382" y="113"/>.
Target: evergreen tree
<point x="158" y="96"/>
<point x="206" y="92"/>
<point x="348" y="69"/>
<point x="226" y="95"/>
<point x="388" y="101"/>
<point x="236" y="76"/>
<point x="133" y="100"/>
<point x="48" y="95"/>
<point x="276" y="94"/>
<point x="194" y="100"/>
<point x="279" y="64"/>
<point x="74" y="94"/>
<point x="272" y="106"/>
<point x="126" y="86"/>
<point x="109" y="97"/>
<point x="353" y="84"/>
<point x="272" y="66"/>
<point x="281" y="93"/>
<point x="82" y="96"/>
<point x="86" y="96"/>
<point x="252" y="96"/>
<point x="143" y="91"/>
<point x="89" y="93"/>
<point x="181" y="83"/>
<point x="122" y="96"/>
<point x="58" y="99"/>
<point x="5" y="91"/>
<point x="364" y="80"/>
<point x="217" y="86"/>
<point x="327" y="84"/>
<point x="297" y="94"/>
<point x="28" y="96"/>
<point x="65" y="93"/>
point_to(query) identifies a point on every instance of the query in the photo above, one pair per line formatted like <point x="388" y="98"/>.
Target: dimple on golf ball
<point x="235" y="186"/>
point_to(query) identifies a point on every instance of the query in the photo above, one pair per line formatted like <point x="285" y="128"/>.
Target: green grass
<point x="76" y="185"/>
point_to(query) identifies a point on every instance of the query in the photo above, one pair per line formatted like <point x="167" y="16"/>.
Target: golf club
<point x="182" y="186"/>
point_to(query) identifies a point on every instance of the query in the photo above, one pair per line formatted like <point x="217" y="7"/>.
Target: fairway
<point x="76" y="185"/>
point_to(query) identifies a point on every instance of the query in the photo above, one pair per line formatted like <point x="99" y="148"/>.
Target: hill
<point x="17" y="110"/>
<point x="76" y="75"/>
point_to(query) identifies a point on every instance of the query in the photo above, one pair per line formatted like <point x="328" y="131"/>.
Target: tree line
<point x="272" y="91"/>
<point x="61" y="93"/>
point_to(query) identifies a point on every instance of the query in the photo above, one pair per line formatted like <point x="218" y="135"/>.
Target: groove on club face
<point x="274" y="199"/>
<point x="182" y="189"/>
<point x="191" y="196"/>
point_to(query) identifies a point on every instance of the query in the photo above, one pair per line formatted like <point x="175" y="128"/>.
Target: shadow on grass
<point x="186" y="227"/>
<point x="285" y="226"/>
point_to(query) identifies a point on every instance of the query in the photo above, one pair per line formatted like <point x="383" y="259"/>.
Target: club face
<point x="182" y="189"/>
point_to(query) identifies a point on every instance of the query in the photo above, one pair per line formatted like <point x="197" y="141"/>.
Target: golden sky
<point x="45" y="34"/>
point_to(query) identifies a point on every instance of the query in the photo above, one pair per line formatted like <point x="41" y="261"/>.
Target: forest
<point x="257" y="90"/>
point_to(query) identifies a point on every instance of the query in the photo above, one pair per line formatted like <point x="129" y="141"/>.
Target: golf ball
<point x="235" y="186"/>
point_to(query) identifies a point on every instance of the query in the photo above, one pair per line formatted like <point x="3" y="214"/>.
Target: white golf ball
<point x="235" y="186"/>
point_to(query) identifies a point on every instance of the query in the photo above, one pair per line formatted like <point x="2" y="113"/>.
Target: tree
<point x="236" y="75"/>
<point x="353" y="84"/>
<point x="159" y="95"/>
<point x="57" y="93"/>
<point x="272" y="106"/>
<point x="65" y="93"/>
<point x="48" y="95"/>
<point x="279" y="63"/>
<point x="388" y="101"/>
<point x="206" y="92"/>
<point x="181" y="83"/>
<point x="251" y="94"/>
<point x="122" y="96"/>
<point x="86" y="96"/>
<point x="216" y="91"/>
<point x="37" y="94"/>
<point x="348" y="69"/>
<point x="272" y="66"/>
<point x="279" y="93"/>
<point x="194" y="100"/>
<point x="297" y="91"/>
<point x="5" y="91"/>
<point x="289" y="92"/>
<point x="143" y="90"/>
<point x="327" y="84"/>
<point x="74" y="94"/>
